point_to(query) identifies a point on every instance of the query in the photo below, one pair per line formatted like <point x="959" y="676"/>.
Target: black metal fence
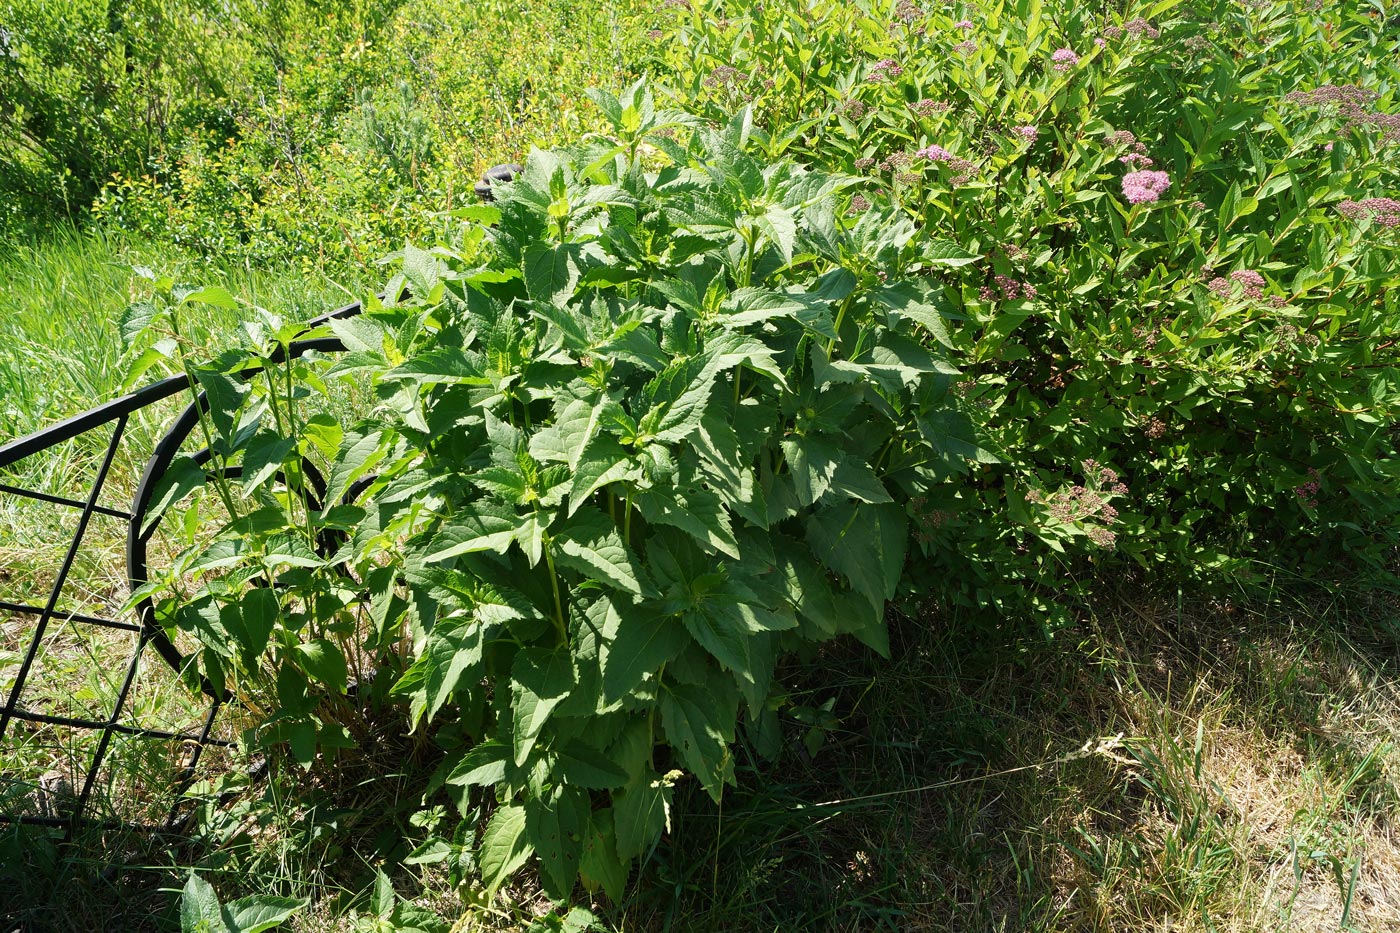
<point x="111" y="421"/>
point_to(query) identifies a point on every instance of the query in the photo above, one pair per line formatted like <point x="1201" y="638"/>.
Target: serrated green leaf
<point x="863" y="543"/>
<point x="636" y="642"/>
<point x="484" y="764"/>
<point x="262" y="912"/>
<point x="583" y="765"/>
<point x="504" y="846"/>
<point x="697" y="512"/>
<point x="600" y="865"/>
<point x="211" y="295"/>
<point x="481" y="526"/>
<point x="135" y="318"/>
<point x="947" y="253"/>
<point x="641" y="812"/>
<point x="421" y="268"/>
<point x="540" y="680"/>
<point x="699" y="724"/>
<point x="225" y="396"/>
<point x="301" y="739"/>
<point x="555" y="826"/>
<point x="452" y="655"/>
<point x="551" y="272"/>
<point x="263" y="457"/>
<point x="323" y="660"/>
<point x="199" y="908"/>
<point x="181" y="478"/>
<point x="590" y="544"/>
<point x="604" y="461"/>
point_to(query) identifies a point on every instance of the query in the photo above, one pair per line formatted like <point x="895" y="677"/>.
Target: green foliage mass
<point x="639" y="434"/>
<point x="1204" y="382"/>
<point x="284" y="132"/>
<point x="1009" y="295"/>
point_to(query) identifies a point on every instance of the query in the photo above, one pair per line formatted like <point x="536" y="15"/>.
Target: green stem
<point x="558" y="604"/>
<point x="840" y="318"/>
<point x="627" y="520"/>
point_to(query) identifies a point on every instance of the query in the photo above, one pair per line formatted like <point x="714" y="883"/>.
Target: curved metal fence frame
<point x="113" y="416"/>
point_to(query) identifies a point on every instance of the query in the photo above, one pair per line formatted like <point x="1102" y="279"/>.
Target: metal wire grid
<point x="113" y="416"/>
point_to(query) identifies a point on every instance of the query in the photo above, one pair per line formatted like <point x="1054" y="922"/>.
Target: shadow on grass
<point x="1161" y="765"/>
<point x="989" y="781"/>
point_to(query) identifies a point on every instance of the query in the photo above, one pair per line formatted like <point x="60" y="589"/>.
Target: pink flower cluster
<point x="928" y="107"/>
<point x="1251" y="283"/>
<point x="962" y="168"/>
<point x="1307" y="492"/>
<point x="885" y="68"/>
<point x="964" y="24"/>
<point x="1087" y="502"/>
<point x="1137" y="28"/>
<point x="1353" y="105"/>
<point x="1382" y="211"/>
<point x="1064" y="59"/>
<point x="966" y="48"/>
<point x="1028" y="133"/>
<point x="1144" y="187"/>
<point x="1005" y="288"/>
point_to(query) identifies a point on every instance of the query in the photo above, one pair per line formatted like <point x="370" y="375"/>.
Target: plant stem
<point x="558" y="604"/>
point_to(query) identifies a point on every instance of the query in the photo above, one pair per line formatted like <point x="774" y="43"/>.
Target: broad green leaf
<point x="600" y="865"/>
<point x="925" y="305"/>
<point x="301" y="738"/>
<point x="211" y="295"/>
<point x="551" y="272"/>
<point x="323" y="660"/>
<point x="451" y="656"/>
<point x="555" y="827"/>
<point x="359" y="453"/>
<point x="481" y="526"/>
<point x="567" y="439"/>
<point x="699" y="725"/>
<point x="604" y="461"/>
<point x="640" y="813"/>
<point x="779" y="226"/>
<point x="863" y="543"/>
<point x="263" y="457"/>
<point x="225" y="396"/>
<point x="504" y="846"/>
<point x="483" y="764"/>
<point x="636" y="643"/>
<point x="540" y="679"/>
<point x="421" y="269"/>
<point x="583" y="765"/>
<point x="181" y="478"/>
<point x="697" y="512"/>
<point x="135" y="318"/>
<point x="258" y="611"/>
<point x="262" y="912"/>
<point x="590" y="544"/>
<point x="947" y="253"/>
<point x="199" y="908"/>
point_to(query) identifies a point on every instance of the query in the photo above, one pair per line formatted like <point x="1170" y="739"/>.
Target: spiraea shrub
<point x="651" y="421"/>
<point x="1179" y="339"/>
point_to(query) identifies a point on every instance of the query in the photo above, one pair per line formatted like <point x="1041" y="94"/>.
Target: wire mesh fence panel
<point x="97" y="725"/>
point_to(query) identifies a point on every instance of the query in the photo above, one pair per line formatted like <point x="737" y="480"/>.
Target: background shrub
<point x="1177" y="343"/>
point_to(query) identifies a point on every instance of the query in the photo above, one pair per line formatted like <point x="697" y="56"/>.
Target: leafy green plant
<point x="1183" y="212"/>
<point x="636" y="433"/>
<point x="201" y="912"/>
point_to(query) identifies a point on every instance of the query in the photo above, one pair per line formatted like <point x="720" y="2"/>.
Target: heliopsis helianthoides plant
<point x="650" y="422"/>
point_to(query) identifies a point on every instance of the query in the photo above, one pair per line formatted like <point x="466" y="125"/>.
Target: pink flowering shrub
<point x="1187" y="278"/>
